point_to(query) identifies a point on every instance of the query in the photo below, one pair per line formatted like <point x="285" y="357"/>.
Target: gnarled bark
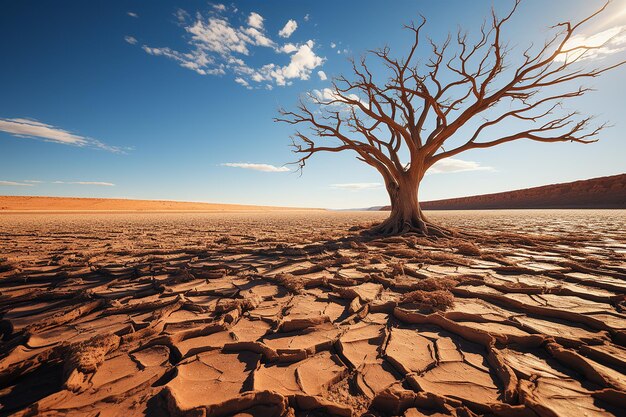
<point x="406" y="215"/>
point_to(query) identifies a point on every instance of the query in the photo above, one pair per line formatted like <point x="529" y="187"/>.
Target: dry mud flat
<point x="283" y="314"/>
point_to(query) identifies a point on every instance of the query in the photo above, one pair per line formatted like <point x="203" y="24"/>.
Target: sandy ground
<point x="294" y="313"/>
<point x="62" y="204"/>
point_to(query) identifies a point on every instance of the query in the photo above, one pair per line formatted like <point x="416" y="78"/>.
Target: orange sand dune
<point x="20" y="203"/>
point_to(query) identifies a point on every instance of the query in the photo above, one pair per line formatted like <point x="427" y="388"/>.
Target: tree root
<point x="393" y="227"/>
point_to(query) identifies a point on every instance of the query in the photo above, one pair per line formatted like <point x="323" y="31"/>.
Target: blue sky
<point x="167" y="100"/>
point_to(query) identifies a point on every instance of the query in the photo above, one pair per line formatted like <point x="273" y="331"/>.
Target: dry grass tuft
<point x="87" y="356"/>
<point x="429" y="301"/>
<point x="289" y="281"/>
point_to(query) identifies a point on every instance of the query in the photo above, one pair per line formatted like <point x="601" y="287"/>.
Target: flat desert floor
<point x="296" y="314"/>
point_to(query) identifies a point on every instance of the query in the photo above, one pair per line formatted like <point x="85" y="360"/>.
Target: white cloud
<point x="132" y="14"/>
<point x="322" y="75"/>
<point x="450" y="165"/>
<point x="288" y="29"/>
<point x="357" y="186"/>
<point x="289" y="48"/>
<point x="607" y="42"/>
<point x="27" y="128"/>
<point x="255" y="20"/>
<point x="326" y="95"/>
<point x="306" y="17"/>
<point x="217" y="47"/>
<point x="256" y="167"/>
<point x="217" y="35"/>
<point x="333" y="45"/>
<point x="301" y="64"/>
<point x="15" y="184"/>
<point x="259" y="37"/>
<point x="130" y="39"/>
<point x="219" y="7"/>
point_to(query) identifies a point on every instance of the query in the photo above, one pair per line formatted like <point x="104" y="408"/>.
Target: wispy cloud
<point x="607" y="42"/>
<point x="243" y="82"/>
<point x="131" y="40"/>
<point x="97" y="183"/>
<point x="256" y="167"/>
<point x="28" y="128"/>
<point x="451" y="165"/>
<point x="15" y="184"/>
<point x="132" y="14"/>
<point x="355" y="186"/>
<point x="32" y="183"/>
<point x="217" y="47"/>
<point x="288" y="29"/>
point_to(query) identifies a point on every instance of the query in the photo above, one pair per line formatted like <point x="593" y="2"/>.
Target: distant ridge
<point x="75" y="204"/>
<point x="595" y="193"/>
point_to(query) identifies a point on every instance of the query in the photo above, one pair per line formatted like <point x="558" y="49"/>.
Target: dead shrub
<point x="289" y="281"/>
<point x="395" y="269"/>
<point x="494" y="257"/>
<point x="445" y="257"/>
<point x="227" y="240"/>
<point x="357" y="245"/>
<point x="467" y="248"/>
<point x="5" y="266"/>
<point x="404" y="253"/>
<point x="434" y="284"/>
<point x="466" y="279"/>
<point x="362" y="226"/>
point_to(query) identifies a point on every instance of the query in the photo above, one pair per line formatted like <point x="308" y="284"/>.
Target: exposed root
<point x="393" y="226"/>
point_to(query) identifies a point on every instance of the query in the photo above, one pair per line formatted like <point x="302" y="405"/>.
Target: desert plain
<point x="296" y="313"/>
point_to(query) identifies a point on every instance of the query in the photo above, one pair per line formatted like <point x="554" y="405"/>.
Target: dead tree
<point x="414" y="115"/>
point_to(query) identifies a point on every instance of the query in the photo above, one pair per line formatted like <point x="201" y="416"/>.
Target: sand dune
<point x="19" y="203"/>
<point x="286" y="314"/>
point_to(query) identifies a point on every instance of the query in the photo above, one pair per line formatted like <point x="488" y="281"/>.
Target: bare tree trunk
<point x="421" y="111"/>
<point x="406" y="215"/>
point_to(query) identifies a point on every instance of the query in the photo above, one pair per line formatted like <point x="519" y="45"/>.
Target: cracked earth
<point x="297" y="314"/>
